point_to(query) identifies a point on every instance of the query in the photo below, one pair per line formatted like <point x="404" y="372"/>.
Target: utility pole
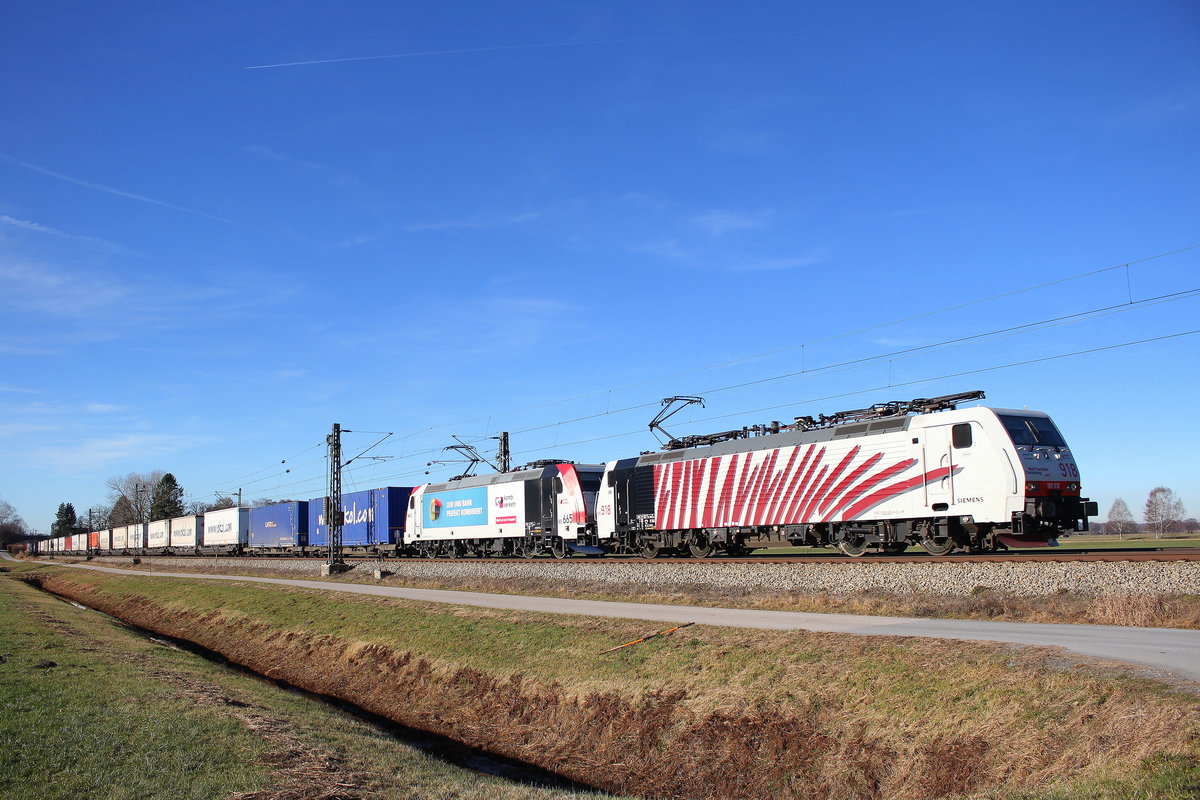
<point x="334" y="516"/>
<point x="143" y="509"/>
<point x="503" y="455"/>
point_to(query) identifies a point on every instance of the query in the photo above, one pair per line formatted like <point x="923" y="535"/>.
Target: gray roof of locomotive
<point x="849" y="430"/>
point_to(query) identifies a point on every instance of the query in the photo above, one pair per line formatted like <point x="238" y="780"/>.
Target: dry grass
<point x="705" y="713"/>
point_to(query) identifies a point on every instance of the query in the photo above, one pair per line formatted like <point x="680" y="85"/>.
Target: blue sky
<point x="471" y="217"/>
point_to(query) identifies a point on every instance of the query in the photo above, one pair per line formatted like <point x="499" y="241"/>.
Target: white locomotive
<point x="545" y="506"/>
<point x="919" y="472"/>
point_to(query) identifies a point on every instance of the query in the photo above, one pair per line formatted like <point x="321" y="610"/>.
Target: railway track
<point x="1180" y="554"/>
<point x="1131" y="554"/>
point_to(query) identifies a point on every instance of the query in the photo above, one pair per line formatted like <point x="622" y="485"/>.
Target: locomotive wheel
<point x="936" y="548"/>
<point x="895" y="548"/>
<point x="854" y="547"/>
<point x="702" y="549"/>
<point x="429" y="550"/>
<point x="559" y="549"/>
<point x="527" y="551"/>
<point x="650" y="551"/>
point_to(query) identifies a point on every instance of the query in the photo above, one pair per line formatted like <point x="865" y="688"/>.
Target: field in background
<point x="1085" y="541"/>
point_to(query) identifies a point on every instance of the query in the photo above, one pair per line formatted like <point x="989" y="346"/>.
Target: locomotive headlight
<point x="1073" y="487"/>
<point x="1031" y="487"/>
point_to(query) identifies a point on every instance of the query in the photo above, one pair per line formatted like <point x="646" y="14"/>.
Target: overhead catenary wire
<point x="824" y="369"/>
<point x="914" y="382"/>
<point x="242" y="479"/>
<point x="902" y="353"/>
<point x="877" y="388"/>
<point x="800" y="346"/>
<point x="855" y="392"/>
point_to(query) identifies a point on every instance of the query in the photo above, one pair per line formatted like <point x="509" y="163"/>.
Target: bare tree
<point x="196" y="505"/>
<point x="97" y="517"/>
<point x="1120" y="520"/>
<point x="137" y="489"/>
<point x="1163" y="510"/>
<point x="12" y="527"/>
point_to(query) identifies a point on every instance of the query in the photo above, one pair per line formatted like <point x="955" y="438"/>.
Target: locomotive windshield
<point x="1032" y="431"/>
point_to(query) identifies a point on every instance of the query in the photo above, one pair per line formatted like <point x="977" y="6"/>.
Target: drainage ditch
<point x="443" y="748"/>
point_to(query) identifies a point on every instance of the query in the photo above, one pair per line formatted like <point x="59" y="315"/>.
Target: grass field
<point x="121" y="717"/>
<point x="1085" y="541"/>
<point x="706" y="712"/>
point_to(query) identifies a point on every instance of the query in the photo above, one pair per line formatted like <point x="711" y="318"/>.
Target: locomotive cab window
<point x="558" y="485"/>
<point x="611" y="479"/>
<point x="960" y="435"/>
<point x="1032" y="431"/>
<point x="412" y="502"/>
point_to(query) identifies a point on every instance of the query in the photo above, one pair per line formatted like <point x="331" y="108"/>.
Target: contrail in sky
<point x="37" y="227"/>
<point x="496" y="49"/>
<point x="118" y="192"/>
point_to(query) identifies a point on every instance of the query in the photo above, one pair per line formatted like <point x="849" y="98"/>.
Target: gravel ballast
<point x="1025" y="579"/>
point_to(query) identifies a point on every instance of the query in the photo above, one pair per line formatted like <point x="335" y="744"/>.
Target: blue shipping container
<point x="280" y="525"/>
<point x="374" y="516"/>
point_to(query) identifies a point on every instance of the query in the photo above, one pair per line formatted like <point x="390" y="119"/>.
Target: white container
<point x="120" y="538"/>
<point x="185" y="531"/>
<point x="227" y="527"/>
<point x="158" y="533"/>
<point x="136" y="535"/>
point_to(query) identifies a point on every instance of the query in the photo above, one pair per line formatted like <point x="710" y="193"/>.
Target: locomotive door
<point x="938" y="453"/>
<point x="563" y="508"/>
